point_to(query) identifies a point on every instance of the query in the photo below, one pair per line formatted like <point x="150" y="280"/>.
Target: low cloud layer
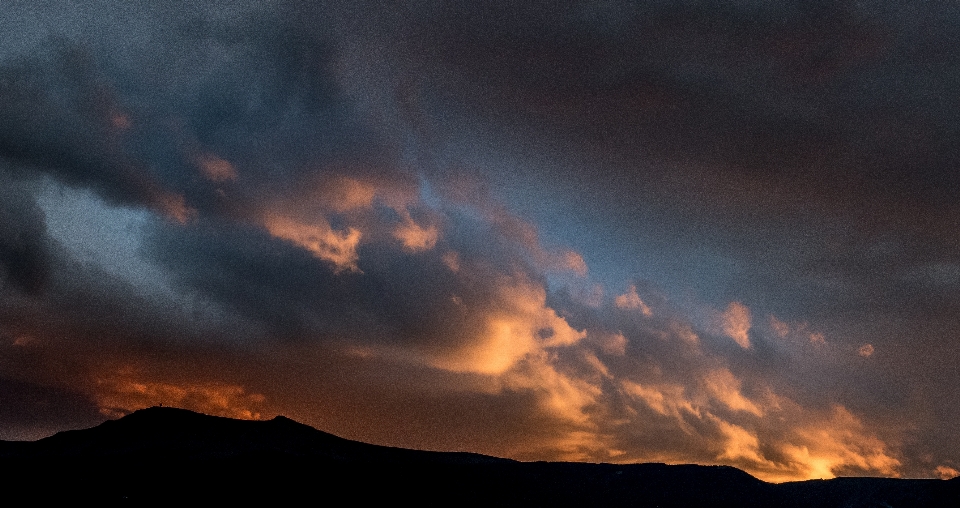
<point x="673" y="232"/>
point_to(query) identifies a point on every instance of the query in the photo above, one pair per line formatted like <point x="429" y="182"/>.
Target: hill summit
<point x="163" y="454"/>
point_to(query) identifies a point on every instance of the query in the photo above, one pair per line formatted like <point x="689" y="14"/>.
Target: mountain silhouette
<point x="162" y="433"/>
<point x="163" y="455"/>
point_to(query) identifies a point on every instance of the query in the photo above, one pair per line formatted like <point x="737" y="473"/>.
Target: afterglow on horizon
<point x="604" y="232"/>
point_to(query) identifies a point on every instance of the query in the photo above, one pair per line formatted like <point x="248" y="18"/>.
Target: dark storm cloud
<point x="815" y="110"/>
<point x="59" y="118"/>
<point x="805" y="150"/>
<point x="23" y="250"/>
<point x="781" y="92"/>
<point x="395" y="297"/>
<point x="257" y="90"/>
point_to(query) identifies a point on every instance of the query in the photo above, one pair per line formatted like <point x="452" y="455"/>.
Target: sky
<point x="683" y="232"/>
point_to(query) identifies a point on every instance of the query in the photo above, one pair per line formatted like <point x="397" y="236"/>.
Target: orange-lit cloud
<point x="946" y="472"/>
<point x="344" y="193"/>
<point x="824" y="448"/>
<point x="780" y="328"/>
<point x="589" y="389"/>
<point x="341" y="193"/>
<point x="724" y="387"/>
<point x="174" y="206"/>
<point x="452" y="261"/>
<point x="614" y="344"/>
<point x="799" y="331"/>
<point x="631" y="300"/>
<point x="561" y="395"/>
<point x="740" y="444"/>
<point x="865" y="350"/>
<point x="713" y="415"/>
<point x="521" y="324"/>
<point x="337" y="247"/>
<point x="216" y="169"/>
<point x="23" y="340"/>
<point x="581" y="445"/>
<point x="821" y="450"/>
<point x="778" y="450"/>
<point x="667" y="400"/>
<point x="414" y="237"/>
<point x="735" y="323"/>
<point x="684" y="332"/>
<point x="518" y="347"/>
<point x="124" y="392"/>
<point x="572" y="261"/>
<point x="304" y="218"/>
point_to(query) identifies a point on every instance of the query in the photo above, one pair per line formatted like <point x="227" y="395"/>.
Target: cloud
<point x="125" y="392"/>
<point x="779" y="327"/>
<point x="631" y="300"/>
<point x="337" y="247"/>
<point x="468" y="191"/>
<point x="946" y="472"/>
<point x="452" y="261"/>
<point x="710" y="408"/>
<point x="216" y="169"/>
<point x="174" y="207"/>
<point x="838" y="444"/>
<point x="343" y="193"/>
<point x="58" y="118"/>
<point x="416" y="238"/>
<point x="614" y="344"/>
<point x="773" y="438"/>
<point x="795" y="332"/>
<point x="667" y="400"/>
<point x="740" y="445"/>
<point x="735" y="323"/>
<point x="726" y="388"/>
<point x="24" y="257"/>
<point x="563" y="396"/>
<point x="519" y="326"/>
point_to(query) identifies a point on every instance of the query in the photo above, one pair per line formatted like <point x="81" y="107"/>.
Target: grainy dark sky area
<point x="676" y="231"/>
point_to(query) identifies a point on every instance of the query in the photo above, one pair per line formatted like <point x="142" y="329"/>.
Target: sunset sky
<point x="665" y="231"/>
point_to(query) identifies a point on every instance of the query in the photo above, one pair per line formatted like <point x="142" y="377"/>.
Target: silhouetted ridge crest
<point x="166" y="432"/>
<point x="174" y="454"/>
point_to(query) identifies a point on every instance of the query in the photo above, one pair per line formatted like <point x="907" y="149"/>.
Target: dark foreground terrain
<point x="164" y="455"/>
